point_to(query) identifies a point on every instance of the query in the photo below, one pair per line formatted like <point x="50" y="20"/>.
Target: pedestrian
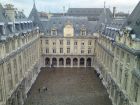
<point x="39" y="90"/>
<point x="46" y="88"/>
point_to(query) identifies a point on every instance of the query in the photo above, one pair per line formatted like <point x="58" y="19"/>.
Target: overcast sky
<point x="57" y="5"/>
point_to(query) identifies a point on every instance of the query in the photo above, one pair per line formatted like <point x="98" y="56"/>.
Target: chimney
<point x="10" y="12"/>
<point x="114" y="12"/>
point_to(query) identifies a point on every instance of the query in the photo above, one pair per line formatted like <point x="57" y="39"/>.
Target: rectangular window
<point x="120" y="75"/>
<point x="9" y="68"/>
<point x="61" y="42"/>
<point x="125" y="81"/>
<point x="128" y="58"/>
<point x="122" y="55"/>
<point x="138" y="64"/>
<point x="89" y="51"/>
<point x="68" y="42"/>
<point x="0" y="93"/>
<point x="10" y="84"/>
<point x="68" y="50"/>
<point x="82" y="51"/>
<point x="83" y="32"/>
<point x="47" y="50"/>
<point x="82" y="43"/>
<point x="136" y="90"/>
<point x="54" y="50"/>
<point x="89" y="42"/>
<point x="54" y="32"/>
<point x="61" y="50"/>
<point x="54" y="43"/>
<point x="75" y="42"/>
<point x="116" y="69"/>
<point x="47" y="42"/>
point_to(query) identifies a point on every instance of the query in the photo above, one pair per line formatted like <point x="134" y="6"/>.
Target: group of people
<point x="44" y="89"/>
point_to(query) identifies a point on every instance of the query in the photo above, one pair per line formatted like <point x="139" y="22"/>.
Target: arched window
<point x="82" y="62"/>
<point x="53" y="31"/>
<point x="47" y="61"/>
<point x="89" y="62"/>
<point x="75" y="62"/>
<point x="54" y="61"/>
<point x="61" y="61"/>
<point x="68" y="61"/>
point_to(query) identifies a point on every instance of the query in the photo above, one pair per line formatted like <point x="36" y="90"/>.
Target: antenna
<point x="34" y="3"/>
<point x="105" y="11"/>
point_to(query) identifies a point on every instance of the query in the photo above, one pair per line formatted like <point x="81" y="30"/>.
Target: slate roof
<point x="7" y="28"/>
<point x="93" y="14"/>
<point x="34" y="16"/>
<point x="77" y="22"/>
<point x="134" y="20"/>
<point x="113" y="28"/>
<point x="84" y="11"/>
<point x="3" y="17"/>
<point x="20" y="16"/>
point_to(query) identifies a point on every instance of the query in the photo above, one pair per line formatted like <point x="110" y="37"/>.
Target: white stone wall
<point x="74" y="49"/>
<point x="116" y="64"/>
<point x="20" y="63"/>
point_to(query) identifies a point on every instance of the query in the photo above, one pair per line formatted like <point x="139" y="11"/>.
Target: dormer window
<point x="54" y="32"/>
<point x="1" y="30"/>
<point x="17" y="27"/>
<point x="138" y="22"/>
<point x="10" y="27"/>
<point x="83" y="31"/>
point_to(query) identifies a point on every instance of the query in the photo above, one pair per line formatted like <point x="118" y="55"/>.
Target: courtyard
<point x="68" y="86"/>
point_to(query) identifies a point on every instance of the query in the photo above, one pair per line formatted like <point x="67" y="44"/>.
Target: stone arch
<point x="54" y="62"/>
<point x="75" y="62"/>
<point x="82" y="61"/>
<point x="47" y="61"/>
<point x="61" y="61"/>
<point x="88" y="62"/>
<point x="68" y="61"/>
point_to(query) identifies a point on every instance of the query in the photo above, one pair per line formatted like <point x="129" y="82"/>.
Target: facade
<point x="94" y="38"/>
<point x="19" y="55"/>
<point x="68" y="42"/>
<point x="118" y="59"/>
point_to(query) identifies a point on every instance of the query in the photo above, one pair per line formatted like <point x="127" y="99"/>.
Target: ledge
<point x="133" y="51"/>
<point x="17" y="51"/>
<point x="136" y="73"/>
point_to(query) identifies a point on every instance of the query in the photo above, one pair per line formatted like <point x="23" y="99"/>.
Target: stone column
<point x="85" y="65"/>
<point x="78" y="62"/>
<point x="64" y="62"/>
<point x="50" y="61"/>
<point x="57" y="62"/>
<point x="71" y="62"/>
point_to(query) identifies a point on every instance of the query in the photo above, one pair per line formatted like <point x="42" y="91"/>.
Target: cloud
<point x="57" y="5"/>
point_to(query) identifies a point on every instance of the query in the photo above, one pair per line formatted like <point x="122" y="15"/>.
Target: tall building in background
<point x="82" y="37"/>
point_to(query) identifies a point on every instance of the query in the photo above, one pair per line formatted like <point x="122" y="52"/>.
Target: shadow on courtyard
<point x="68" y="86"/>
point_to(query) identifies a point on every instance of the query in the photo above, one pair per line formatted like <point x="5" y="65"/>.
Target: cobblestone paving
<point x="68" y="86"/>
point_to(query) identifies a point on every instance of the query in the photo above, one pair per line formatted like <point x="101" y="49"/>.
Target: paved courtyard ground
<point x="68" y="86"/>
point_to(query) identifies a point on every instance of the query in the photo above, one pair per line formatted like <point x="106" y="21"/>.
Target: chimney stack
<point x="114" y="12"/>
<point x="10" y="12"/>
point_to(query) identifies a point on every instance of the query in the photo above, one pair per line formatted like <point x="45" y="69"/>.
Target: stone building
<point x="19" y="55"/>
<point x="118" y="59"/>
<point x="93" y="38"/>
